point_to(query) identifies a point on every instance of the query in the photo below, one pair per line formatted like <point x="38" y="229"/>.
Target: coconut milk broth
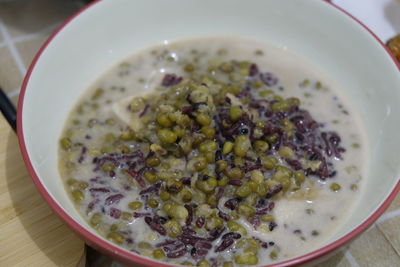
<point x="302" y="224"/>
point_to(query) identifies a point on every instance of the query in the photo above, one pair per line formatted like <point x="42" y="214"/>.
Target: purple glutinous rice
<point x="249" y="168"/>
<point x="144" y="111"/>
<point x="214" y="262"/>
<point x="295" y="164"/>
<point x="266" y="209"/>
<point x="118" y="160"/>
<point x="187" y="109"/>
<point x="297" y="232"/>
<point x="231" y="235"/>
<point x="203" y="244"/>
<point x="272" y="225"/>
<point x="141" y="214"/>
<point x="190" y="238"/>
<point x="253" y="70"/>
<point x="200" y="222"/>
<point x="200" y="249"/>
<point x="166" y="242"/>
<point x="99" y="190"/>
<point x="82" y="156"/>
<point x="189" y="218"/>
<point x="127" y="187"/>
<point x="159" y="219"/>
<point x="90" y="206"/>
<point x="177" y="254"/>
<point x="255" y="221"/>
<point x="274" y="190"/>
<point x="197" y="246"/>
<point x="173" y="246"/>
<point x="188" y="230"/>
<point x="155" y="188"/>
<point x="114" y="199"/>
<point x="219" y="194"/>
<point x="97" y="180"/>
<point x="186" y="180"/>
<point x="268" y="78"/>
<point x="226" y="243"/>
<point x="307" y="136"/>
<point x="262" y="243"/>
<point x="138" y="176"/>
<point x="215" y="233"/>
<point x="232" y="203"/>
<point x="170" y="80"/>
<point x="115" y="213"/>
<point x="224" y="216"/>
<point x="155" y="226"/>
<point x="198" y="253"/>
<point x="235" y="182"/>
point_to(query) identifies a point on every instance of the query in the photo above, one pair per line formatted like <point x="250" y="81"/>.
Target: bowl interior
<point x="110" y="31"/>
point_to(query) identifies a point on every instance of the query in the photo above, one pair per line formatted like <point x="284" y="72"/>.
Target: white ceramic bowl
<point x="108" y="31"/>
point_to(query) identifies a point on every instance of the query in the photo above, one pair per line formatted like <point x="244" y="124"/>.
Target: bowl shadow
<point x="60" y="245"/>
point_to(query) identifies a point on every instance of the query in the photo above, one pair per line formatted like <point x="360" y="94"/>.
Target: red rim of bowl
<point x="131" y="258"/>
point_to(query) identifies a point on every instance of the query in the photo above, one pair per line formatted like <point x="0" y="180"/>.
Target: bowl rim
<point x="127" y="257"/>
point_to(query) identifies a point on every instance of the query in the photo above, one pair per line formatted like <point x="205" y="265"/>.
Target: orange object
<point x="394" y="46"/>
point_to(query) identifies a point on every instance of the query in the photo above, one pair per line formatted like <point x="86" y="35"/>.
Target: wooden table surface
<point x="31" y="234"/>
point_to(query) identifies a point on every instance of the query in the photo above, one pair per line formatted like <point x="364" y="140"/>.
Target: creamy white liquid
<point x="143" y="73"/>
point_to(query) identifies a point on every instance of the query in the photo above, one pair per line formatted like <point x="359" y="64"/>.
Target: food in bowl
<point x="214" y="151"/>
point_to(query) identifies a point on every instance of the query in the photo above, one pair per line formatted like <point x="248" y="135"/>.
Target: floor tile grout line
<point x="14" y="92"/>
<point x="42" y="33"/>
<point x="349" y="257"/>
<point x="12" y="48"/>
<point x="387" y="240"/>
<point x="384" y="217"/>
<point x="388" y="215"/>
<point x="370" y="227"/>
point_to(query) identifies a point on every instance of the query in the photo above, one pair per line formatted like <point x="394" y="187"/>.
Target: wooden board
<point x="31" y="234"/>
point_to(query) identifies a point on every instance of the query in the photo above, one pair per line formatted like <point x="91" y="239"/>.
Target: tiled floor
<point x="25" y="25"/>
<point x="395" y="205"/>
<point x="31" y="16"/>
<point x="372" y="248"/>
<point x="28" y="48"/>
<point x="391" y="229"/>
<point x="10" y="76"/>
<point x="337" y="260"/>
